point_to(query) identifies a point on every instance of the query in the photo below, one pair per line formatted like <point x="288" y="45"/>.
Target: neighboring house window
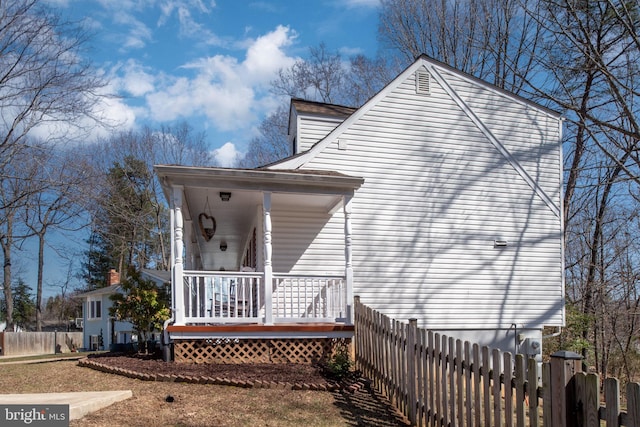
<point x="94" y="309"/>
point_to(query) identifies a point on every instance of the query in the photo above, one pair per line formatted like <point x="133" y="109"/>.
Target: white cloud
<point x="135" y="80"/>
<point x="138" y="35"/>
<point x="227" y="155"/>
<point x="233" y="94"/>
<point x="189" y="25"/>
<point x="265" y="57"/>
<point x="108" y="113"/>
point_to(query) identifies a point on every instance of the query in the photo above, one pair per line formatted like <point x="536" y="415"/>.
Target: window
<point x="94" y="309"/>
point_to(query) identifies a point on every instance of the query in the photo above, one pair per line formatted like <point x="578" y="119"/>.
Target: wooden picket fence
<point x="435" y="380"/>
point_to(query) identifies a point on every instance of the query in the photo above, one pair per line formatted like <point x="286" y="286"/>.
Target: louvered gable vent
<point x="423" y="81"/>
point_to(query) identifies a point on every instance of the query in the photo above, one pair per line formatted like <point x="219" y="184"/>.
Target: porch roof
<point x="292" y="181"/>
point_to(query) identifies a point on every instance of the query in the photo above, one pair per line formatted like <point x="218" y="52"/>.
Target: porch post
<point x="348" y="257"/>
<point x="177" y="249"/>
<point x="268" y="268"/>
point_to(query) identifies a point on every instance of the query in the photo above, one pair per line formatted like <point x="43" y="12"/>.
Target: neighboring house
<point x="439" y="199"/>
<point x="100" y="329"/>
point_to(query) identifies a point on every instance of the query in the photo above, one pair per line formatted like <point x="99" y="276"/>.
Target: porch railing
<point x="310" y="298"/>
<point x="238" y="297"/>
<point x="218" y="297"/>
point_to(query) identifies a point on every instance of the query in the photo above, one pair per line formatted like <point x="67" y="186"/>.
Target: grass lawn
<point x="197" y="404"/>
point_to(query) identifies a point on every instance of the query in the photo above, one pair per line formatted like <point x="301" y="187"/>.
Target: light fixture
<point x="225" y="196"/>
<point x="223" y="246"/>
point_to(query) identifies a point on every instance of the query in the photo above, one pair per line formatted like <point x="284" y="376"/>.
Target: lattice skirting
<point x="307" y="350"/>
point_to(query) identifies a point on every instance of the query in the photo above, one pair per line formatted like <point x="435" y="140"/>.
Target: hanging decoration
<point x="207" y="222"/>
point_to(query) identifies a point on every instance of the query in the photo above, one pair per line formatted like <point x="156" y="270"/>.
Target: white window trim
<point x="94" y="309"/>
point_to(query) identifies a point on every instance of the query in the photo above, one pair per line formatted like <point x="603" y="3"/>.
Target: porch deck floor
<point x="261" y="328"/>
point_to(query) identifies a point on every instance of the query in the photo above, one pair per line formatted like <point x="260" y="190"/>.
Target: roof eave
<point x="253" y="179"/>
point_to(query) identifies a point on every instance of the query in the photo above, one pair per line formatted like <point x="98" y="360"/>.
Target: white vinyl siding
<point x="437" y="194"/>
<point x="313" y="128"/>
<point x="524" y="131"/>
<point x="310" y="242"/>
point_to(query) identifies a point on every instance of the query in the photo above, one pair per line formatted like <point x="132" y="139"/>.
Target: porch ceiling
<point x="236" y="217"/>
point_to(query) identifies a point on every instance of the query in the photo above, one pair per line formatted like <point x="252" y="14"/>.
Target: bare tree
<point x="490" y="39"/>
<point x="43" y="77"/>
<point x="16" y="186"/>
<point x="128" y="210"/>
<point x="271" y="144"/>
<point x="367" y="76"/>
<point x="590" y="57"/>
<point x="56" y="206"/>
<point x="321" y="77"/>
<point x="43" y="81"/>
<point x="580" y="57"/>
<point x="324" y="77"/>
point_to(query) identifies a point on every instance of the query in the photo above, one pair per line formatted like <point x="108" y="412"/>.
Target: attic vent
<point x="422" y="81"/>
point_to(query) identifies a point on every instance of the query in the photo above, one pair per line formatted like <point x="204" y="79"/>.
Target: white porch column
<point x="348" y="257"/>
<point x="268" y="268"/>
<point x="177" y="224"/>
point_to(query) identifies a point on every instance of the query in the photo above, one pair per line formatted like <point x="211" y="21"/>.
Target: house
<point x="101" y="330"/>
<point x="439" y="199"/>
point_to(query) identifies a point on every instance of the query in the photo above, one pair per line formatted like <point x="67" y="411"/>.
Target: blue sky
<point x="207" y="62"/>
<point x="211" y="62"/>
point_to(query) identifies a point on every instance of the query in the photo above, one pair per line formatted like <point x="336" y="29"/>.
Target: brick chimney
<point x="113" y="278"/>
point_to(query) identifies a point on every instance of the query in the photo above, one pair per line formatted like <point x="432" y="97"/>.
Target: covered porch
<point x="260" y="254"/>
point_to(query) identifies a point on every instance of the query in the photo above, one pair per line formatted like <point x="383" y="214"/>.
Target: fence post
<point x="564" y="365"/>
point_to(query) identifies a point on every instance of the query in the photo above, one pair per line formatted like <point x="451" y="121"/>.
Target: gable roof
<point x="436" y="69"/>
<point x="159" y="277"/>
<point x="106" y="290"/>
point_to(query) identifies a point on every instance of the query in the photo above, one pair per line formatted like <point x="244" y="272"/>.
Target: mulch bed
<point x="282" y="375"/>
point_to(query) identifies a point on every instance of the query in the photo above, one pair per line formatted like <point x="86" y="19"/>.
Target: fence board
<point x="580" y="384"/>
<point x="459" y="384"/>
<point x="520" y="399"/>
<point x="412" y="371"/>
<point x="438" y="380"/>
<point x="633" y="405"/>
<point x="432" y="373"/>
<point x="508" y="396"/>
<point x="486" y="385"/>
<point x="532" y="383"/>
<point x="546" y="395"/>
<point x="495" y="378"/>
<point x="591" y="400"/>
<point x="421" y="361"/>
<point x="468" y="383"/>
<point x="452" y="381"/>
<point x="477" y="386"/>
<point x="445" y="392"/>
<point x="612" y="398"/>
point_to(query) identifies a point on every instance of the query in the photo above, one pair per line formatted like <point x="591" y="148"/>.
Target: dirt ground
<point x="156" y="403"/>
<point x="248" y="373"/>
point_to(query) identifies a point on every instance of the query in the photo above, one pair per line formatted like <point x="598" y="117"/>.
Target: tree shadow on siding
<point x="448" y="186"/>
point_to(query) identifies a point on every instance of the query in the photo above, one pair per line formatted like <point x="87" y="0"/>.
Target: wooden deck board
<point x="280" y="328"/>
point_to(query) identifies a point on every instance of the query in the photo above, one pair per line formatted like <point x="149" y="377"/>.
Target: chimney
<point x="113" y="278"/>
